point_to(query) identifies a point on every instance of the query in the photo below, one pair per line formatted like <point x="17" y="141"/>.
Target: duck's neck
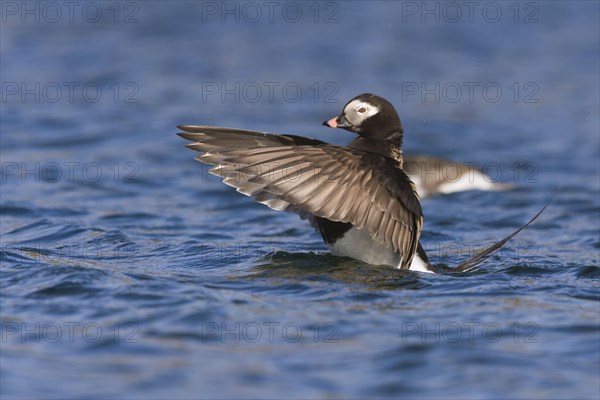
<point x="390" y="147"/>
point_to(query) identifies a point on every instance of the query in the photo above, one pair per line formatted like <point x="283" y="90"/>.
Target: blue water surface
<point x="128" y="272"/>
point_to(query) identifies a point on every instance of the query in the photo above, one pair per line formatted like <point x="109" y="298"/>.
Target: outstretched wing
<point x="293" y="173"/>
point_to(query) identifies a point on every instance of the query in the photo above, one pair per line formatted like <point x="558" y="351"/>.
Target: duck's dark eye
<point x="362" y="110"/>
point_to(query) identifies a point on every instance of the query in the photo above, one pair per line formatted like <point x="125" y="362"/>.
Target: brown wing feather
<point x="292" y="173"/>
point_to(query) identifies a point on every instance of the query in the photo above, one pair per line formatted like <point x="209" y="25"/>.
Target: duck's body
<point x="349" y="193"/>
<point x="358" y="196"/>
<point x="435" y="176"/>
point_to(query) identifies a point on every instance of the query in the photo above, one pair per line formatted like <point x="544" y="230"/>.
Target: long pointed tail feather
<point x="474" y="261"/>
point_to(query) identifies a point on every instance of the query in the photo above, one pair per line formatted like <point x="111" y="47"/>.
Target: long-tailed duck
<point x="358" y="196"/>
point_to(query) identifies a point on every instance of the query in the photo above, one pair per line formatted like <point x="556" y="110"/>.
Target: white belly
<point x="358" y="244"/>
